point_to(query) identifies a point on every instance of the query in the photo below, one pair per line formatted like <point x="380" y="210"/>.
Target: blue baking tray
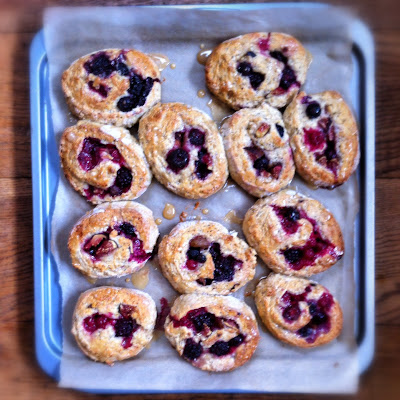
<point x="46" y="170"/>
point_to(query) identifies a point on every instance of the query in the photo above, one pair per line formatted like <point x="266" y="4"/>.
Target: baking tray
<point x="46" y="170"/>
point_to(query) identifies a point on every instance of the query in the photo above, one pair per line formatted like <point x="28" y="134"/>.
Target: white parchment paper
<point x="178" y="33"/>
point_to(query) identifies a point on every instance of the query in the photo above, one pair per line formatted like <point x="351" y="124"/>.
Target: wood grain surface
<point x="20" y="377"/>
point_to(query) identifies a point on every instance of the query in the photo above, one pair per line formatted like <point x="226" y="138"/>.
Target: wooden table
<point x="20" y="377"/>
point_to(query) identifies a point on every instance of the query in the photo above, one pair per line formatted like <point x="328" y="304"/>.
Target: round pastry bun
<point x="112" y="324"/>
<point x="184" y="149"/>
<point x="213" y="333"/>
<point x="257" y="147"/>
<point x="298" y="311"/>
<point x="258" y="67"/>
<point x="203" y="257"/>
<point x="103" y="162"/>
<point x="112" y="86"/>
<point x="293" y="234"/>
<point x="113" y="239"/>
<point x="324" y="138"/>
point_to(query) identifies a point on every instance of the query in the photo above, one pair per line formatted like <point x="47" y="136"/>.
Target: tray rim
<point x="48" y="351"/>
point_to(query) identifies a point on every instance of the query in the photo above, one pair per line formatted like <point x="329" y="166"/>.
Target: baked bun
<point x="258" y="152"/>
<point x="324" y="138"/>
<point x="298" y="311"/>
<point x="184" y="149"/>
<point x="257" y="67"/>
<point x="113" y="239"/>
<point x="294" y="234"/>
<point x="112" y="324"/>
<point x="112" y="86"/>
<point x="202" y="256"/>
<point x="104" y="162"/>
<point x="213" y="333"/>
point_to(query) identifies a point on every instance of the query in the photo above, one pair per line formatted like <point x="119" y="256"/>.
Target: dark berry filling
<point x="194" y="254"/>
<point x="93" y="152"/>
<point x="323" y="138"/>
<point x="262" y="164"/>
<point x="316" y="246"/>
<point x="121" y="185"/>
<point x="224" y="266"/>
<point x="139" y="89"/>
<point x="124" y="326"/>
<point x="288" y="77"/>
<point x="319" y="311"/>
<point x="280" y="130"/>
<point x="222" y="348"/>
<point x="288" y="218"/>
<point x="102" y="90"/>
<point x="256" y="78"/>
<point x="100" y="244"/>
<point x="101" y="65"/>
<point x="198" y="320"/>
<point x="192" y="350"/>
<point x="201" y="321"/>
<point x="178" y="157"/>
<point x="202" y="163"/>
<point x="313" y="110"/>
<point x="250" y="54"/>
<point x="196" y="137"/>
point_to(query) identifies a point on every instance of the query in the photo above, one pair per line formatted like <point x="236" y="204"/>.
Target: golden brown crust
<point x="86" y="103"/>
<point x="264" y="230"/>
<point x="103" y="345"/>
<point x="103" y="175"/>
<point x="172" y="254"/>
<point x="97" y="222"/>
<point x="310" y="322"/>
<point x="157" y="136"/>
<point x="343" y="130"/>
<point x="233" y="88"/>
<point x="258" y="127"/>
<point x="237" y="319"/>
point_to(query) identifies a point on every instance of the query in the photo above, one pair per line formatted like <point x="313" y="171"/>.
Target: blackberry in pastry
<point x="257" y="147"/>
<point x="294" y="234"/>
<point x="112" y="324"/>
<point x="298" y="311"/>
<point x="203" y="257"/>
<point x="213" y="333"/>
<point x="113" y="239"/>
<point x="112" y="86"/>
<point x="184" y="149"/>
<point x="104" y="162"/>
<point x="255" y="68"/>
<point x="324" y="138"/>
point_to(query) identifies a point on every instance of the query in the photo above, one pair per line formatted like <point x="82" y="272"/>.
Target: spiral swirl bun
<point x="104" y="162"/>
<point x="298" y="311"/>
<point x="213" y="333"/>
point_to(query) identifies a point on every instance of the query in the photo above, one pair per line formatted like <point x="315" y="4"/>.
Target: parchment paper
<point x="178" y="33"/>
